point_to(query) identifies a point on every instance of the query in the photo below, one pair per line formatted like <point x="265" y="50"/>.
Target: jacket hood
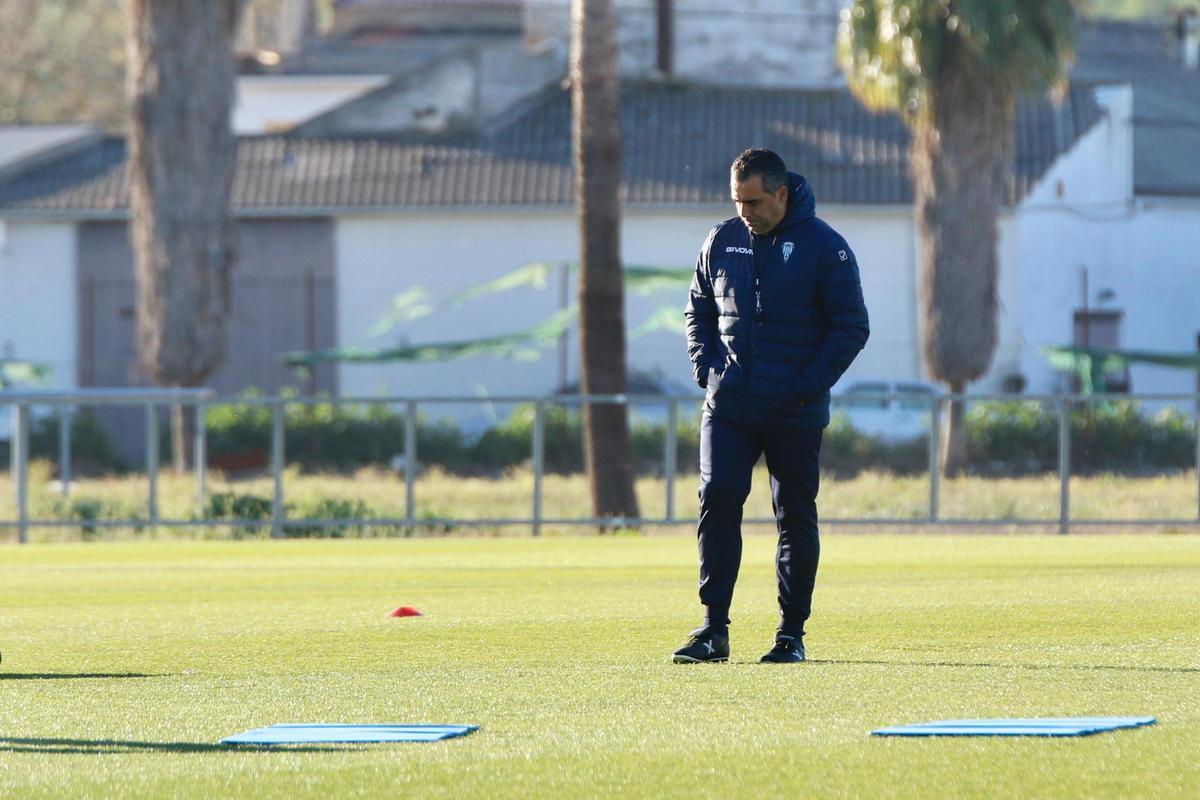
<point x="801" y="204"/>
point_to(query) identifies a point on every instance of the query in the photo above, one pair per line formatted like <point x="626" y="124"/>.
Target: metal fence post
<point x="935" y="431"/>
<point x="1064" y="464"/>
<point x="152" y="463"/>
<point x="1197" y="456"/>
<point x="277" y="456"/>
<point x="20" y="469"/>
<point x="200" y="456"/>
<point x="64" y="449"/>
<point x="539" y="458"/>
<point x="410" y="465"/>
<point x="671" y="455"/>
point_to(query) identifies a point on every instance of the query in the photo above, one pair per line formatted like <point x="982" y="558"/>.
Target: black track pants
<point x="728" y="454"/>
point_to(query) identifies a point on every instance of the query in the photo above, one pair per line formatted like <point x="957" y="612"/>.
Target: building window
<point x="1102" y="330"/>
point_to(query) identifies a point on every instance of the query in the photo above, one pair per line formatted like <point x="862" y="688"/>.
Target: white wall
<point x="38" y="296"/>
<point x="380" y="257"/>
<point x="1053" y="242"/>
<point x="1007" y="360"/>
<point x="1156" y="276"/>
<point x="1141" y="257"/>
<point x="1144" y="263"/>
<point x="275" y="103"/>
<point x="884" y="241"/>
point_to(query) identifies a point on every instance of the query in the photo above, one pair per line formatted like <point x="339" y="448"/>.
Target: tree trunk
<point x="962" y="143"/>
<point x="952" y="443"/>
<point x="182" y="418"/>
<point x="596" y="142"/>
<point x="181" y="156"/>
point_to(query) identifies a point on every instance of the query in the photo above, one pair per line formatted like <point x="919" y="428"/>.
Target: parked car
<point x="894" y="411"/>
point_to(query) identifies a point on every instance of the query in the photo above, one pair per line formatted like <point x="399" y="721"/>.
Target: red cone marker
<point x="405" y="611"/>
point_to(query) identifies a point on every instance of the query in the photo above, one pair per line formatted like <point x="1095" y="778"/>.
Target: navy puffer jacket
<point x="774" y="320"/>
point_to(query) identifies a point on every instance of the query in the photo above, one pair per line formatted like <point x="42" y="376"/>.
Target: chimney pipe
<point x="665" y="24"/>
<point x="1187" y="30"/>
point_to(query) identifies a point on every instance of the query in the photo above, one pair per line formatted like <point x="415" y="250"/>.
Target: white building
<point x="334" y="229"/>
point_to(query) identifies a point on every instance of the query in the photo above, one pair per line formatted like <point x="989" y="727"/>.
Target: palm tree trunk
<point x="182" y="418"/>
<point x="962" y="144"/>
<point x="181" y="155"/>
<point x="596" y="141"/>
<point x="952" y="443"/>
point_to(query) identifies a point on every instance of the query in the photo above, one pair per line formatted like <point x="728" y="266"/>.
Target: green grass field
<point x="124" y="663"/>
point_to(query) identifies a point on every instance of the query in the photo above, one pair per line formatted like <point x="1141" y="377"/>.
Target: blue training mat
<point x="1071" y="726"/>
<point x="347" y="734"/>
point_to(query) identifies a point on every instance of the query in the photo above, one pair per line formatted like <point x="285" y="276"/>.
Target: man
<point x="775" y="316"/>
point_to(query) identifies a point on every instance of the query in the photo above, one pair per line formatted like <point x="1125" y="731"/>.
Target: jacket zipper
<point x="758" y="309"/>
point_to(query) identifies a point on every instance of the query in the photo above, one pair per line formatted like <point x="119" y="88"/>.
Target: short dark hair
<point x="762" y="162"/>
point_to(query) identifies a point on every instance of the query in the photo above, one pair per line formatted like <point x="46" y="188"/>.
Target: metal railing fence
<point x="155" y="400"/>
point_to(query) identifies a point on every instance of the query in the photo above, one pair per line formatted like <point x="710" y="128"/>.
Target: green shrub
<point x="649" y="443"/>
<point x="235" y="506"/>
<point x="425" y="522"/>
<point x="322" y="436"/>
<point x="443" y="444"/>
<point x="342" y="437"/>
<point x="1013" y="437"/>
<point x="845" y="452"/>
<point x="87" y="510"/>
<point x="1113" y="436"/>
<point x="238" y="426"/>
<point x="511" y="442"/>
<point x="1021" y="437"/>
<point x="92" y="452"/>
<point x="326" y="508"/>
<point x="231" y="505"/>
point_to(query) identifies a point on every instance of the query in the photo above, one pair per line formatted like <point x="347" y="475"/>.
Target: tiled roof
<point x="678" y="142"/>
<point x="1166" y="101"/>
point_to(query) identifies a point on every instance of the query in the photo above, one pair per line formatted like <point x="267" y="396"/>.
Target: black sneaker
<point x="787" y="650"/>
<point x="704" y="646"/>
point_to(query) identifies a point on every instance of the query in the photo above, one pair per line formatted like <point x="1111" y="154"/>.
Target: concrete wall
<point x="751" y="43"/>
